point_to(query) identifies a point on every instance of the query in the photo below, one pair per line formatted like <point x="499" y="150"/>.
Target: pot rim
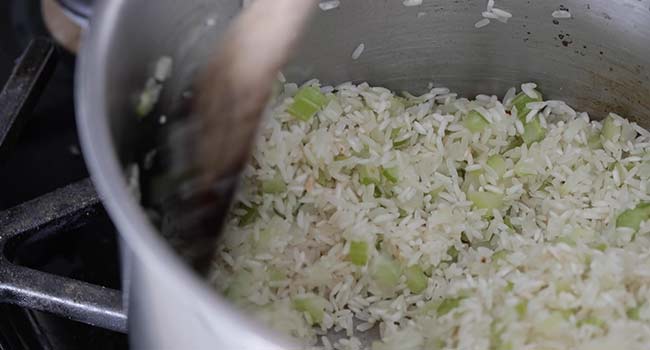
<point x="129" y="217"/>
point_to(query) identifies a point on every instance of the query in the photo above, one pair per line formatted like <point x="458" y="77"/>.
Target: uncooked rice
<point x="409" y="3"/>
<point x="358" y="51"/>
<point x="329" y="5"/>
<point x="482" y="23"/>
<point x="546" y="269"/>
<point x="561" y="14"/>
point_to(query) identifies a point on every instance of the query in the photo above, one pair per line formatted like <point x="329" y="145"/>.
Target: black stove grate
<point x="51" y="242"/>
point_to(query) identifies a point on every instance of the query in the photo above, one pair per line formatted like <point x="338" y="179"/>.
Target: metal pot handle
<point x="79" y="10"/>
<point x="58" y="210"/>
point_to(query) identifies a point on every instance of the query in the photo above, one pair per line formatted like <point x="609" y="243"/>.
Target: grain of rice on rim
<point x="482" y="23"/>
<point x="409" y="3"/>
<point x="358" y="51"/>
<point x="561" y="14"/>
<point x="329" y="5"/>
<point x="548" y="268"/>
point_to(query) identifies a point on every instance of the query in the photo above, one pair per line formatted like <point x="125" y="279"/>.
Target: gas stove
<point x="51" y="219"/>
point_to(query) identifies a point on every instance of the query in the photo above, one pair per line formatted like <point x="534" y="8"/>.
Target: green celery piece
<point x="521" y="308"/>
<point x="274" y="186"/>
<point x="499" y="255"/>
<point x="486" y="200"/>
<point x="510" y="286"/>
<point x="472" y="178"/>
<point x="592" y="320"/>
<point x="521" y="101"/>
<point x="435" y="192"/>
<point x="498" y="164"/>
<point x="386" y="273"/>
<point x="453" y="253"/>
<point x="601" y="246"/>
<point x="249" y="217"/>
<point x="314" y="306"/>
<point x="632" y="218"/>
<point x="610" y="131"/>
<point x="324" y="179"/>
<point x="398" y="144"/>
<point x="633" y="313"/>
<point x="416" y="280"/>
<point x="475" y="122"/>
<point x="397" y="106"/>
<point x="448" y="305"/>
<point x="369" y="175"/>
<point x="508" y="223"/>
<point x="401" y="144"/>
<point x="307" y="102"/>
<point x="358" y="253"/>
<point x="533" y="132"/>
<point x="276" y="275"/>
<point x="594" y="141"/>
<point x="364" y="153"/>
<point x="391" y="174"/>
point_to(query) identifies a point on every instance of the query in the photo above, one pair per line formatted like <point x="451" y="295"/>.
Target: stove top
<point x="43" y="158"/>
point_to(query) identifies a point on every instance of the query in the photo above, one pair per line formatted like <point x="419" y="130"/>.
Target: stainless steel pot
<point x="599" y="61"/>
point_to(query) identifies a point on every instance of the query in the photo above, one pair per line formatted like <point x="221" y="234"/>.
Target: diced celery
<point x="533" y="132"/>
<point x="401" y="144"/>
<point x="416" y="280"/>
<point x="499" y="255"/>
<point x="632" y="218"/>
<point x="472" y="179"/>
<point x="601" y="246"/>
<point x="486" y="200"/>
<point x="448" y="305"/>
<point x="397" y="106"/>
<point x="510" y="286"/>
<point x="391" y="174"/>
<point x="433" y="344"/>
<point x="508" y="222"/>
<point x="386" y="273"/>
<point x="498" y="164"/>
<point x="592" y="320"/>
<point x="324" y="179"/>
<point x="248" y="217"/>
<point x="522" y="308"/>
<point x="307" y="102"/>
<point x="369" y="175"/>
<point x="475" y="122"/>
<point x="522" y="100"/>
<point x="634" y="313"/>
<point x="274" y="186"/>
<point x="523" y="168"/>
<point x="314" y="306"/>
<point x="394" y="134"/>
<point x="358" y="253"/>
<point x="402" y="213"/>
<point x="610" y="131"/>
<point x="276" y="275"/>
<point x="435" y="192"/>
<point x="453" y="253"/>
<point x="594" y="141"/>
